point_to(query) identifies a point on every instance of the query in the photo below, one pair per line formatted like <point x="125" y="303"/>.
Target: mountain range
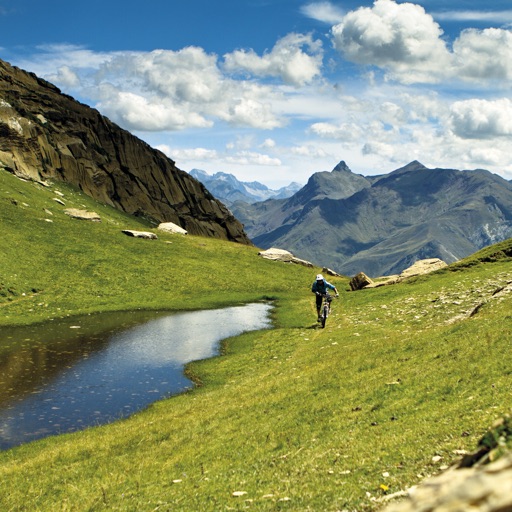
<point x="382" y="224"/>
<point x="228" y="189"/>
<point x="47" y="135"/>
<point x="349" y="222"/>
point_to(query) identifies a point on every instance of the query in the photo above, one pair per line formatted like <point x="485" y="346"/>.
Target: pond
<point x="68" y="375"/>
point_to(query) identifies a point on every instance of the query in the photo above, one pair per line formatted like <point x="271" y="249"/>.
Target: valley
<point x="405" y="380"/>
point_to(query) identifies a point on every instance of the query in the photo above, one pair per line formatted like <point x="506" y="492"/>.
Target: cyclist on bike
<point x="320" y="287"/>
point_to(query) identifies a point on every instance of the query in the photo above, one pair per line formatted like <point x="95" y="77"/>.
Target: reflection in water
<point x="93" y="376"/>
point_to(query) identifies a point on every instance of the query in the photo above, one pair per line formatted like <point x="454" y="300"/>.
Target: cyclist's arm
<point x="332" y="287"/>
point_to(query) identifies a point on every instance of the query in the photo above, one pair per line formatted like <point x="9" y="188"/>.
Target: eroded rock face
<point x="45" y="134"/>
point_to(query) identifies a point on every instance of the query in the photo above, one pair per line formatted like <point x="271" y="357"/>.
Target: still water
<point x="65" y="376"/>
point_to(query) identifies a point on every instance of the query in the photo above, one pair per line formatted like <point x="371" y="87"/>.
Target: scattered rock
<point x="480" y="489"/>
<point x="82" y="214"/>
<point x="60" y="201"/>
<point x="330" y="272"/>
<point x="423" y="267"/>
<point x="360" y="281"/>
<point x="170" y="227"/>
<point x="140" y="234"/>
<point x="480" y="482"/>
<point x="384" y="281"/>
<point x="282" y="255"/>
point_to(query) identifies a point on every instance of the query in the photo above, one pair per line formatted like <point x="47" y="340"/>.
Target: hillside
<point x="56" y="265"/>
<point x="382" y="224"/>
<point x="402" y="381"/>
<point x="46" y="135"/>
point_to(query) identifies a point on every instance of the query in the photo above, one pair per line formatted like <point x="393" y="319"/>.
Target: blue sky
<point x="276" y="90"/>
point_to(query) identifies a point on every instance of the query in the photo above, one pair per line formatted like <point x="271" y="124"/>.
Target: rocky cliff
<point x="45" y="134"/>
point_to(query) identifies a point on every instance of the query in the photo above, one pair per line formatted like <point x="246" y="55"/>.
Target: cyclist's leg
<point x="318" y="305"/>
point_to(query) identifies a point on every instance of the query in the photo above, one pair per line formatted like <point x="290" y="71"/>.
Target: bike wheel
<point x="324" y="316"/>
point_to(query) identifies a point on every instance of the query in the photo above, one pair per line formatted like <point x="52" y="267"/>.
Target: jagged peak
<point x="342" y="167"/>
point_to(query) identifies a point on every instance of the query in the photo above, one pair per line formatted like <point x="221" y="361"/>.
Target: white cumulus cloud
<point x="268" y="143"/>
<point x="484" y="54"/>
<point x="409" y="45"/>
<point x="482" y="119"/>
<point x="287" y="60"/>
<point x="175" y="90"/>
<point x="402" y="38"/>
<point x="136" y="112"/>
<point x="65" y="77"/>
<point x="250" y="112"/>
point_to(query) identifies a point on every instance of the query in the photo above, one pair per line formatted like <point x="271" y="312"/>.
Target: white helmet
<point x="319" y="277"/>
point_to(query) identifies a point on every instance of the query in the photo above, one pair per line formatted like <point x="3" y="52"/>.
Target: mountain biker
<point x="320" y="287"/>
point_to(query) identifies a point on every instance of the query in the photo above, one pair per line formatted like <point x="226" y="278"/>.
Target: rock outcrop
<point x="419" y="268"/>
<point x="46" y="135"/>
<point x="282" y="255"/>
<point x="478" y="489"/>
<point x="360" y="281"/>
<point x="480" y="482"/>
<point x="423" y="267"/>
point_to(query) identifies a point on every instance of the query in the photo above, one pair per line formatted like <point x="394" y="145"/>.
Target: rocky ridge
<point x="46" y="135"/>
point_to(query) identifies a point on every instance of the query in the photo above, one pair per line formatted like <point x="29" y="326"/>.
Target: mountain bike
<point x="326" y="307"/>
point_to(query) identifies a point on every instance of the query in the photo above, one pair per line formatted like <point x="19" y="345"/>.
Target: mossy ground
<point x="295" y="418"/>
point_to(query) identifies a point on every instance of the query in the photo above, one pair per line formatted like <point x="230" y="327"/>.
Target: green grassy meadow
<point x="399" y="383"/>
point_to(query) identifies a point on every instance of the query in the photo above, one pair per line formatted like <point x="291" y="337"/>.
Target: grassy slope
<point x="52" y="269"/>
<point x="298" y="418"/>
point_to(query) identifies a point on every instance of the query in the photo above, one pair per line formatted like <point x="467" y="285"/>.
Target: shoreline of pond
<point x="84" y="352"/>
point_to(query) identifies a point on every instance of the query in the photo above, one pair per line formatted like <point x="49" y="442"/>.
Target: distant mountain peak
<point x="342" y="167"/>
<point x="228" y="189"/>
<point x="412" y="166"/>
<point x="382" y="224"/>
